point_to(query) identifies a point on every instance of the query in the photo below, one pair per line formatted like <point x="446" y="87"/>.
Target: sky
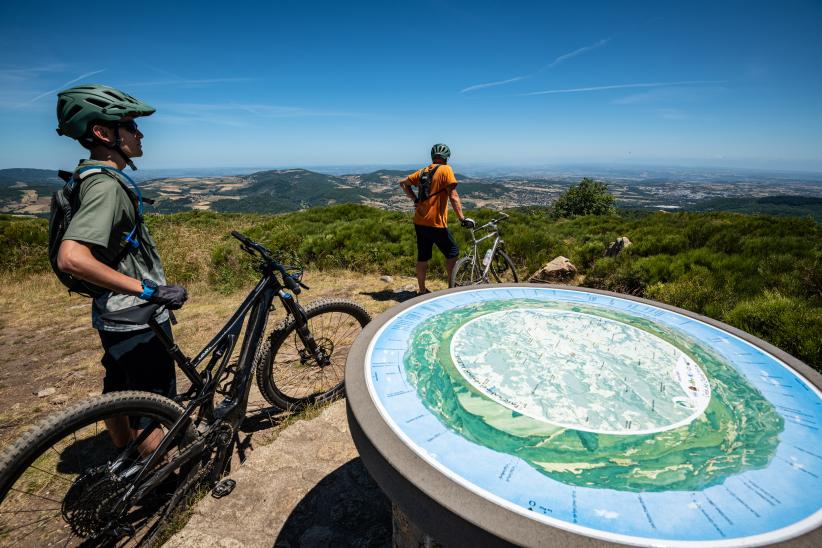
<point x="287" y="84"/>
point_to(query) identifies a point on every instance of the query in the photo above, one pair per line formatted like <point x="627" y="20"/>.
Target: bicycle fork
<point x="312" y="349"/>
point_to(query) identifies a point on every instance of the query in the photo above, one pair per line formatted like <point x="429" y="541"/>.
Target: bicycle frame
<point x="204" y="382"/>
<point x="492" y="224"/>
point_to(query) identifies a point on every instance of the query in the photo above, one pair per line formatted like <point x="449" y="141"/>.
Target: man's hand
<point x="468" y="223"/>
<point x="172" y="296"/>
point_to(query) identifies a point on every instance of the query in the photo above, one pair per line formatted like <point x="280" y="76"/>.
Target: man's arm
<point x="456" y="205"/>
<point x="405" y="184"/>
<point x="75" y="258"/>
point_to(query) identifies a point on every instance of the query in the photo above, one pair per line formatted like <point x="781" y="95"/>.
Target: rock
<point x="46" y="392"/>
<point x="409" y="287"/>
<point x="614" y="248"/>
<point x="60" y="399"/>
<point x="386" y="279"/>
<point x="558" y="269"/>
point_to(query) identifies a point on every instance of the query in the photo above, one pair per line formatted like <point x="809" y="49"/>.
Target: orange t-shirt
<point x="434" y="210"/>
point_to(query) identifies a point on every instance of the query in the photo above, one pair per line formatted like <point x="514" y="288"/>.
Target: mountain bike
<point x="68" y="482"/>
<point x="495" y="265"/>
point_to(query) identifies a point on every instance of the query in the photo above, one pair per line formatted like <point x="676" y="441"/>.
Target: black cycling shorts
<point x="137" y="360"/>
<point x="427" y="236"/>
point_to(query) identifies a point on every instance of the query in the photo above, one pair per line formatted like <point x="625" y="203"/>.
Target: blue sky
<point x="319" y="83"/>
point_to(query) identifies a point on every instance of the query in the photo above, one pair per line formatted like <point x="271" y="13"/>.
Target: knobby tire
<point x="56" y="473"/>
<point x="290" y="379"/>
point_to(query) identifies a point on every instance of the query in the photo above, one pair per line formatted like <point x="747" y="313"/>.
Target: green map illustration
<point x="591" y="396"/>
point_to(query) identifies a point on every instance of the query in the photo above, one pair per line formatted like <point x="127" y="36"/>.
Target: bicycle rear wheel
<point x="502" y="268"/>
<point x="466" y="272"/>
<point x="289" y="376"/>
<point x="61" y="482"/>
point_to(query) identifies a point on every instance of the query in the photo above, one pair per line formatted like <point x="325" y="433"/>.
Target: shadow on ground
<point x="390" y="295"/>
<point x="346" y="508"/>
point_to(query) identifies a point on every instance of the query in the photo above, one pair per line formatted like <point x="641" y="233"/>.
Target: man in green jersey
<point x="105" y="244"/>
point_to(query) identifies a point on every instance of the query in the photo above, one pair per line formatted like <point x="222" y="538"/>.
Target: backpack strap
<point x="136" y="198"/>
<point x="432" y="172"/>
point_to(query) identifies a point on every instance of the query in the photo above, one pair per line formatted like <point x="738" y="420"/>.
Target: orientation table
<point x="543" y="415"/>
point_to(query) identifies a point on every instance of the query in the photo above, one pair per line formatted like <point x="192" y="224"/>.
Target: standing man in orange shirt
<point x="437" y="186"/>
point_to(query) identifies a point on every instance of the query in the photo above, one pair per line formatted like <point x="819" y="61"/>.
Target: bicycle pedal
<point x="223" y="488"/>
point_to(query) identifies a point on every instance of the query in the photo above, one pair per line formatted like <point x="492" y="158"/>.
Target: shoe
<point x="426" y="292"/>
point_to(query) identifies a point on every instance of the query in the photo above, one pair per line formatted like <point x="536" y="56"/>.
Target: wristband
<point x="149" y="287"/>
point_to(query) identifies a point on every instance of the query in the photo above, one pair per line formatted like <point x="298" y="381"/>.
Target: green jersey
<point x="105" y="217"/>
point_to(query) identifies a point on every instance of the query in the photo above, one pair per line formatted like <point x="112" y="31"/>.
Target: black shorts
<point x="137" y="360"/>
<point x="427" y="236"/>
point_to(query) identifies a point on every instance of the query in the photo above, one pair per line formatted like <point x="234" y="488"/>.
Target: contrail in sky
<point x="50" y="92"/>
<point x="579" y="51"/>
<point x="624" y="86"/>
<point x="552" y="64"/>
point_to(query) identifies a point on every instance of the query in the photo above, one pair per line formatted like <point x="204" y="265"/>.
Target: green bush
<point x="792" y="324"/>
<point x="24" y="245"/>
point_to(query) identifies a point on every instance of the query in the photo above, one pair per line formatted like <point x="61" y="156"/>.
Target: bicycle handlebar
<point x="492" y="222"/>
<point x="250" y="246"/>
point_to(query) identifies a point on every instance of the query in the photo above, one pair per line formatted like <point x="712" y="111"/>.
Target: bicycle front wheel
<point x="289" y="375"/>
<point x="502" y="268"/>
<point x="466" y="272"/>
<point x="62" y="482"/>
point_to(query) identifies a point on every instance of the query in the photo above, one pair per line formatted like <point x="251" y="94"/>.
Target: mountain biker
<point x="437" y="186"/>
<point x="102" y="120"/>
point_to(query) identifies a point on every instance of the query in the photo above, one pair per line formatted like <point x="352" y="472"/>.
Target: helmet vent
<point x="96" y="102"/>
<point x="113" y="95"/>
<point x="72" y="112"/>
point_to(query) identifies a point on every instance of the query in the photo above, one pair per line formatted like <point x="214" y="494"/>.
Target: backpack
<point x="426" y="178"/>
<point x="65" y="203"/>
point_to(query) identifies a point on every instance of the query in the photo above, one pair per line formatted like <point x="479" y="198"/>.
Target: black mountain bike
<point x="69" y="482"/>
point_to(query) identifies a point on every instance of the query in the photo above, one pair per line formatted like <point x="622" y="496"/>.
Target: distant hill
<point x="11" y="177"/>
<point x="28" y="191"/>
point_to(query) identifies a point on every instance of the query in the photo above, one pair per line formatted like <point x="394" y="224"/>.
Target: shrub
<point x="790" y="323"/>
<point x="589" y="197"/>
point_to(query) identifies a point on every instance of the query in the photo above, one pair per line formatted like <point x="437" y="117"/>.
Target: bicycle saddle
<point x="135" y="315"/>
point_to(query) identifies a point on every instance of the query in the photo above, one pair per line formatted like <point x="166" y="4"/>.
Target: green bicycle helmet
<point x="440" y="150"/>
<point x="77" y="107"/>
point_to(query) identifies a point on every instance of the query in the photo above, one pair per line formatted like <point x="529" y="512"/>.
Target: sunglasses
<point x="130" y="126"/>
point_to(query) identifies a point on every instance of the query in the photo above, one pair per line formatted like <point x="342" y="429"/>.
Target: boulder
<point x="557" y="270"/>
<point x="614" y="248"/>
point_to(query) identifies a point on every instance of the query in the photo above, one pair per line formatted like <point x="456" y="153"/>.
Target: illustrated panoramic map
<point x="604" y="416"/>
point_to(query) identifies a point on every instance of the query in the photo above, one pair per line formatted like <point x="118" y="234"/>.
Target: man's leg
<point x="449" y="266"/>
<point x="448" y="245"/>
<point x="422" y="269"/>
<point x="136" y="361"/>
<point x="425" y="244"/>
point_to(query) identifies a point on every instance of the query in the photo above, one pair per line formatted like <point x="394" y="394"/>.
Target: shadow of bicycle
<point x="346" y="508"/>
